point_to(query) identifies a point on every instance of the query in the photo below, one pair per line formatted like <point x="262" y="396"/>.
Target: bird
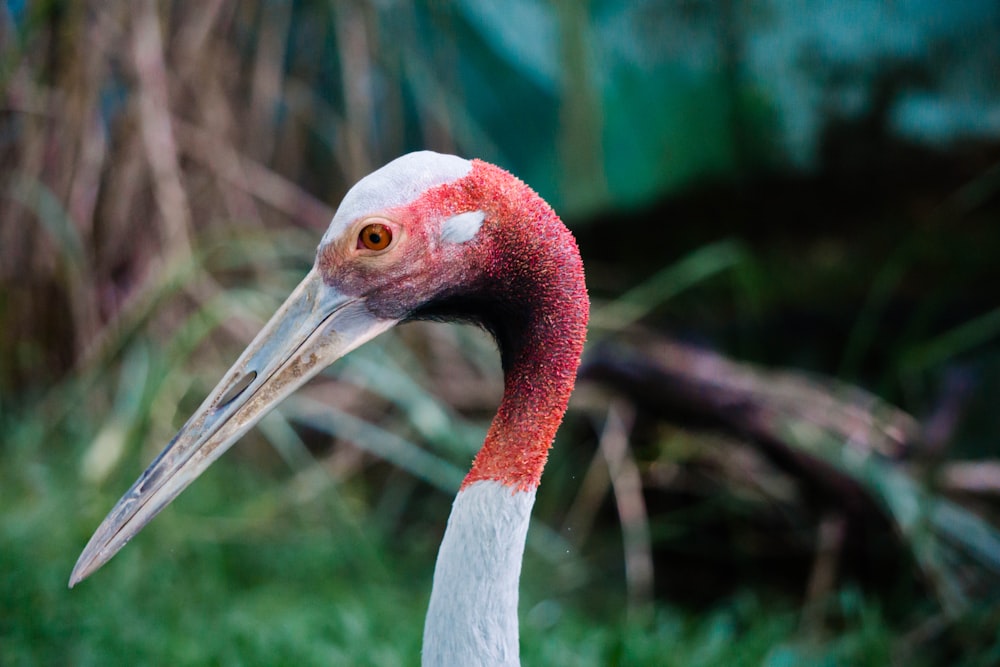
<point x="428" y="236"/>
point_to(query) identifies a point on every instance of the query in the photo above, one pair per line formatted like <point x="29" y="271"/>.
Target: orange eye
<point x="375" y="236"/>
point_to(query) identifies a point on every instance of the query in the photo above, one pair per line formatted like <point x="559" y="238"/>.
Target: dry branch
<point x="840" y="441"/>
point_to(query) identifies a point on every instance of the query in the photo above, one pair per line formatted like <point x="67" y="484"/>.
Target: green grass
<point x="247" y="569"/>
<point x="296" y="590"/>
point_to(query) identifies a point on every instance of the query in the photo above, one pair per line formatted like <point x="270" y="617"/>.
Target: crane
<point x="427" y="236"/>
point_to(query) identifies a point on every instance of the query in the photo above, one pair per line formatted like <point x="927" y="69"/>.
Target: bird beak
<point x="315" y="326"/>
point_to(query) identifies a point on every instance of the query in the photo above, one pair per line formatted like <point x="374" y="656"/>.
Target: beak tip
<point x="80" y="572"/>
<point x="89" y="562"/>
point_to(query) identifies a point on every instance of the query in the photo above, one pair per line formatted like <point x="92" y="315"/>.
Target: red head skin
<point x="520" y="276"/>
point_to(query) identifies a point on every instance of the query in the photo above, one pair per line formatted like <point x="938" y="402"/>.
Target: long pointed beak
<point x="315" y="326"/>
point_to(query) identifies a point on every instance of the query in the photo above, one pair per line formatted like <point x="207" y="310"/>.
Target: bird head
<point x="428" y="236"/>
<point x="407" y="234"/>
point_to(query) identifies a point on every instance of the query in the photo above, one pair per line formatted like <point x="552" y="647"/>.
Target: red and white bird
<point x="428" y="236"/>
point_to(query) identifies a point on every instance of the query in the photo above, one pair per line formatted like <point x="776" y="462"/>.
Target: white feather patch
<point x="462" y="227"/>
<point x="472" y="618"/>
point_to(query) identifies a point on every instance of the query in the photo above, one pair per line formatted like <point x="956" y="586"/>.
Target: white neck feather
<point x="472" y="619"/>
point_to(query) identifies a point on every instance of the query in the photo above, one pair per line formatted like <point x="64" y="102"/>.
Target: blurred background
<point x="783" y="448"/>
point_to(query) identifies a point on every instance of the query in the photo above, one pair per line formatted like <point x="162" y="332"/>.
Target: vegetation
<point x="165" y="172"/>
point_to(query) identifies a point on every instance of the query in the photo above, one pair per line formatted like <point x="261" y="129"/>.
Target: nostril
<point x="236" y="389"/>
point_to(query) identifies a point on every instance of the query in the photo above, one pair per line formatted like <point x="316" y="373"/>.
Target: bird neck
<point x="472" y="615"/>
<point x="540" y="321"/>
<point x="537" y="386"/>
<point x="531" y="295"/>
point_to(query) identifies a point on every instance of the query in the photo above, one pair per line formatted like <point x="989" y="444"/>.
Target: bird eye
<point x="374" y="236"/>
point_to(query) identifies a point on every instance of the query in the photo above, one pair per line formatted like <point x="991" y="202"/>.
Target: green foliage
<point x="182" y="601"/>
<point x="208" y="583"/>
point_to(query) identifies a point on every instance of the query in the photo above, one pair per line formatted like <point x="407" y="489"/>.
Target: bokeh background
<point x="783" y="449"/>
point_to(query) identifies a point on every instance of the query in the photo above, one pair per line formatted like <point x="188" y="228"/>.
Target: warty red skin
<point x="520" y="276"/>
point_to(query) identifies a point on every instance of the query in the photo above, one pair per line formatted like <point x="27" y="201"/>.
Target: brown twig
<point x="978" y="477"/>
<point x="268" y="73"/>
<point x="627" y="484"/>
<point x="823" y="578"/>
<point x="356" y="66"/>
<point x="580" y="517"/>
<point x="253" y="177"/>
<point x="157" y="129"/>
